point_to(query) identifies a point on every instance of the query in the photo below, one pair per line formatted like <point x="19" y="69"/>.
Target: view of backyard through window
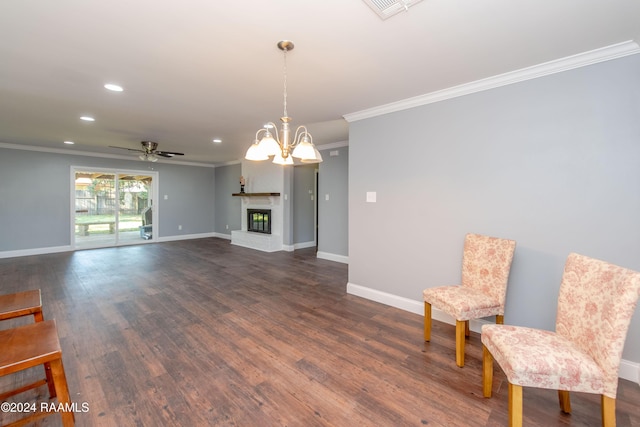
<point x="112" y="208"/>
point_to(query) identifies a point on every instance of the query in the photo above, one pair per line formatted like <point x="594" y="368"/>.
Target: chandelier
<point x="279" y="144"/>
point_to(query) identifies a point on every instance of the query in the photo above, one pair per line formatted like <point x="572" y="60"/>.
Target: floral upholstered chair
<point x="486" y="262"/>
<point x="595" y="305"/>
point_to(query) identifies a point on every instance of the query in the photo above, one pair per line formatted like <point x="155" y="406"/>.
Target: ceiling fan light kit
<point x="280" y="145"/>
<point x="148" y="157"/>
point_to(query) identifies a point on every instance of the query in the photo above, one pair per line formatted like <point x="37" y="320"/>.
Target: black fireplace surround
<point x="259" y="220"/>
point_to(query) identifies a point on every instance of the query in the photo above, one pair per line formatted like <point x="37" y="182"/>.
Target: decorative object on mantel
<point x="242" y="184"/>
<point x="281" y="148"/>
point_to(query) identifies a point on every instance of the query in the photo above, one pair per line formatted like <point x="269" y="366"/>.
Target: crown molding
<point x="93" y="154"/>
<point x="584" y="59"/>
<point x="332" y="145"/>
<point x="229" y="163"/>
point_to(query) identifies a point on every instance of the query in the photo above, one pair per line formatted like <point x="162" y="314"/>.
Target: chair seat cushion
<point x="538" y="358"/>
<point x="462" y="302"/>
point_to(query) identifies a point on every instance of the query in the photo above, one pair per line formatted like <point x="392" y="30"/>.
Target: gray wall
<point x="190" y="201"/>
<point x="333" y="214"/>
<point x="36" y="204"/>
<point x="228" y="208"/>
<point x="286" y="199"/>
<point x="304" y="178"/>
<point x="552" y="163"/>
<point x="35" y="208"/>
<point x="36" y="200"/>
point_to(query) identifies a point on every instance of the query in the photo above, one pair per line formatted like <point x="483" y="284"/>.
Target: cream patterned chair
<point x="595" y="305"/>
<point x="486" y="263"/>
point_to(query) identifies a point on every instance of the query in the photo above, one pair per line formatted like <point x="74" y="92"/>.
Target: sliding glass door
<point x="112" y="207"/>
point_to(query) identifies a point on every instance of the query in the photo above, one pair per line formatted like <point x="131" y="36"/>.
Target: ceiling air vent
<point x="388" y="8"/>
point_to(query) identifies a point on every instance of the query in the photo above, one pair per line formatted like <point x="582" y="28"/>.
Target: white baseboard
<point x="186" y="237"/>
<point x="222" y="236"/>
<point x="69" y="248"/>
<point x="35" y="251"/>
<point x="304" y="245"/>
<point x="628" y="370"/>
<point x="333" y="257"/>
<point x="296" y="246"/>
<point x="396" y="301"/>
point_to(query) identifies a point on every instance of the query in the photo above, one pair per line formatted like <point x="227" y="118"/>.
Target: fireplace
<point x="259" y="220"/>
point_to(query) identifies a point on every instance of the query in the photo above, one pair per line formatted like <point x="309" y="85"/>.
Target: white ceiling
<point x="194" y="70"/>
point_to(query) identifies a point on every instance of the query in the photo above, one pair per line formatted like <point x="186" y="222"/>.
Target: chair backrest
<point x="595" y="305"/>
<point x="486" y="262"/>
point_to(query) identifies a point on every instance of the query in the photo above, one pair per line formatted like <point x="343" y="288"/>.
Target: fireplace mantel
<point x="255" y="194"/>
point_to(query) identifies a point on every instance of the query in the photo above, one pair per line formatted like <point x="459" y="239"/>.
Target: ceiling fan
<point x="150" y="152"/>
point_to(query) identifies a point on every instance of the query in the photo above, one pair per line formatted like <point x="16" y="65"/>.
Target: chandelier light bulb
<point x="255" y="152"/>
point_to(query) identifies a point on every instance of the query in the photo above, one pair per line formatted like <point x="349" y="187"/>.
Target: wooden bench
<point x="31" y="345"/>
<point x="83" y="228"/>
<point x="20" y="304"/>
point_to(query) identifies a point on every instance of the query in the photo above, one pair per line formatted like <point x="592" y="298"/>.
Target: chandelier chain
<point x="285" y="83"/>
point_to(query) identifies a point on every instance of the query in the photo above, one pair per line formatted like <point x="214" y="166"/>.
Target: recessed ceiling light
<point x="87" y="119"/>
<point x="217" y="140"/>
<point x="69" y="142"/>
<point x="113" y="87"/>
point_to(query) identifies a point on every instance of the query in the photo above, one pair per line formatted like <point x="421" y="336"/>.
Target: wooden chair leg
<point x="487" y="372"/>
<point x="565" y="401"/>
<point x="39" y="317"/>
<point x="467" y="332"/>
<point x="515" y="405"/>
<point x="50" y="382"/>
<point x="62" y="391"/>
<point x="608" y="411"/>
<point x="427" y="321"/>
<point x="460" y="330"/>
<point x="500" y="319"/>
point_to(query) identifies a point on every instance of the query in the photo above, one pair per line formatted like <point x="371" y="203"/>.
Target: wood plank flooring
<point x="203" y="333"/>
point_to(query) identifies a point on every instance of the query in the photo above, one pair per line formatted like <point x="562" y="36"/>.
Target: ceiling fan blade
<point x="149" y="149"/>
<point x="125" y="148"/>
<point x="168" y="153"/>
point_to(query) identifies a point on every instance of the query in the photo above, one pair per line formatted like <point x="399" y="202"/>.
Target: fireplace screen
<point x="259" y="220"/>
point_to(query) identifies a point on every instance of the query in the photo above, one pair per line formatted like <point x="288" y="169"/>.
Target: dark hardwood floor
<point x="203" y="333"/>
